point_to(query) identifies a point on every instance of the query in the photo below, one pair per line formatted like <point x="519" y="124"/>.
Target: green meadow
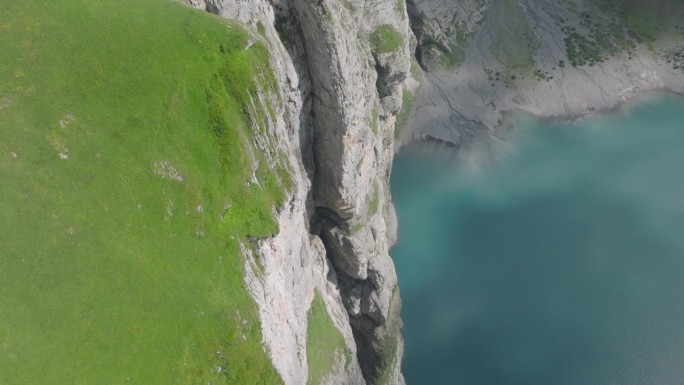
<point x="127" y="182"/>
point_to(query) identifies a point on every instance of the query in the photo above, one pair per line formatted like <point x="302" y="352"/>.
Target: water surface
<point x="555" y="257"/>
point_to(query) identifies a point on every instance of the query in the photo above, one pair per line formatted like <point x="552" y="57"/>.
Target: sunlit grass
<point x="385" y="38"/>
<point x="124" y="189"/>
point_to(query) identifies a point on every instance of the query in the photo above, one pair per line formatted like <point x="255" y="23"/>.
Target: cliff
<point x="340" y="67"/>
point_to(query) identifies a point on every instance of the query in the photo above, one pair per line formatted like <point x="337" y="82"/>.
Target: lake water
<point x="554" y="257"/>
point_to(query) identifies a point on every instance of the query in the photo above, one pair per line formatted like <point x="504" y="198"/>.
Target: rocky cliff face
<point x="340" y="65"/>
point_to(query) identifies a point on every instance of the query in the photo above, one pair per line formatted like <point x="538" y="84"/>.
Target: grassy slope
<point x="647" y="20"/>
<point x="109" y="273"/>
<point x="325" y="344"/>
<point x="622" y="24"/>
<point x="385" y="38"/>
<point x="513" y="41"/>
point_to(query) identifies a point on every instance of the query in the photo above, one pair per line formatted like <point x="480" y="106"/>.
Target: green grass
<point x="385" y="39"/>
<point x="513" y="41"/>
<point x="445" y="59"/>
<point x="405" y="113"/>
<point x="375" y="115"/>
<point x="355" y="229"/>
<point x="111" y="273"/>
<point x="373" y="201"/>
<point x="325" y="344"/>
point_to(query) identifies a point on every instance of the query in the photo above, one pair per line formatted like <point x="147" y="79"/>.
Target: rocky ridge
<point x="340" y="87"/>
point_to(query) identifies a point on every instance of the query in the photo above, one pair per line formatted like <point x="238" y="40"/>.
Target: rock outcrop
<point x="340" y="65"/>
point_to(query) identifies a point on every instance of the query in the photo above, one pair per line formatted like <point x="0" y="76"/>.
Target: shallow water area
<point x="554" y="256"/>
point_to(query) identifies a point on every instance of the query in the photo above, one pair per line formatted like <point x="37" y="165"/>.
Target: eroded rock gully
<point x="340" y="94"/>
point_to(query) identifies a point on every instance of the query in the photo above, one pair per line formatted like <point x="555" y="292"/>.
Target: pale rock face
<point x="341" y="96"/>
<point x="335" y="124"/>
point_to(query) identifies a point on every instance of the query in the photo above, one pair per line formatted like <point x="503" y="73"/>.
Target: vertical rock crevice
<point x="358" y="55"/>
<point x="340" y="65"/>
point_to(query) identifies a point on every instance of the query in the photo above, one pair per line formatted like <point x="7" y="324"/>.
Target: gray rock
<point x="335" y="124"/>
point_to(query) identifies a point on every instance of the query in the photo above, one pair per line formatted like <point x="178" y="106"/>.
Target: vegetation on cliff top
<point x="127" y="182"/>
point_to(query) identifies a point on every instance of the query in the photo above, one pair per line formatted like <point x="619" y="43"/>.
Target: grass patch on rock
<point x="373" y="200"/>
<point x="325" y="344"/>
<point x="405" y="112"/>
<point x="385" y="39"/>
<point x="375" y="116"/>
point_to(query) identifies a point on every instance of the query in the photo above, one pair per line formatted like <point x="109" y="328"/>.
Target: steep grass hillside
<point x="126" y="184"/>
<point x="325" y="344"/>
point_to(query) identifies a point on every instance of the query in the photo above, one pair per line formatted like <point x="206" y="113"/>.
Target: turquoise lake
<point x="552" y="257"/>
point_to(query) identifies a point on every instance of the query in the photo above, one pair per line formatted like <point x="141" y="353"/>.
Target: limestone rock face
<point x="340" y="93"/>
